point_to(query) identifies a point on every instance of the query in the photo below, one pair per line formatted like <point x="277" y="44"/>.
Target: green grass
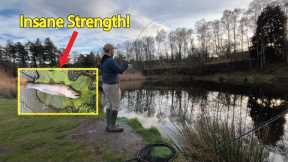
<point x="48" y="139"/>
<point x="110" y="156"/>
<point x="38" y="138"/>
<point x="150" y="135"/>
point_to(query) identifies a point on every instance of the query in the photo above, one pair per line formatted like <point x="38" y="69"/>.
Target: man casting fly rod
<point x="110" y="84"/>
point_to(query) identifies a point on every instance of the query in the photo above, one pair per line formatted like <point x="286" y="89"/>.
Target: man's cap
<point x="108" y="46"/>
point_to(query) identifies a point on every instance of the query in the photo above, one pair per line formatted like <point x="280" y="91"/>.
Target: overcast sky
<point x="147" y="16"/>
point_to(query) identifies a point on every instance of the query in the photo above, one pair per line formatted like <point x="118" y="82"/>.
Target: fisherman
<point x="110" y="84"/>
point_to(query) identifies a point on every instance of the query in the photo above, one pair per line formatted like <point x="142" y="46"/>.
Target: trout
<point x="54" y="89"/>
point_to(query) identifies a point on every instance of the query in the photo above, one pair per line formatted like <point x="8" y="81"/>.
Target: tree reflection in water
<point x="263" y="109"/>
<point x="176" y="104"/>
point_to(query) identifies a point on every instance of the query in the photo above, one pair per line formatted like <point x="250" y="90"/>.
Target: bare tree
<point x="160" y="39"/>
<point x="216" y="27"/>
<point x="172" y="39"/>
<point x="182" y="36"/>
<point x="235" y="19"/>
<point x="243" y="30"/>
<point x="149" y="47"/>
<point x="127" y="47"/>
<point x="227" y="20"/>
<point x="202" y="31"/>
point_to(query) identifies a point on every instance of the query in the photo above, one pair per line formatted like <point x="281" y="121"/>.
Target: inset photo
<point x="57" y="91"/>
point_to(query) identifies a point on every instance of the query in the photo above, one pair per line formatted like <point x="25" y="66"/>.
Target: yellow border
<point x="56" y="114"/>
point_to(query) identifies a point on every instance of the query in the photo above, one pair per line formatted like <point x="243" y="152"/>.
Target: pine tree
<point x="91" y="60"/>
<point x="21" y="54"/>
<point x="2" y="54"/>
<point x="11" y="51"/>
<point x="270" y="37"/>
<point x="37" y="51"/>
<point x="50" y="51"/>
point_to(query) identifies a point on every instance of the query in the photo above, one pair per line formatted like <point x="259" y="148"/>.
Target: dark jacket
<point x="110" y="70"/>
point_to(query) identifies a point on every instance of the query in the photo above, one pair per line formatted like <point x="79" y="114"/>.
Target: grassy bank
<point x="47" y="139"/>
<point x="276" y="74"/>
<point x="273" y="76"/>
<point x="57" y="139"/>
<point x="37" y="138"/>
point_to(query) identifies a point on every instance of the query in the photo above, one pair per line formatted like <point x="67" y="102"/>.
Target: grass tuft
<point x="213" y="140"/>
<point x="150" y="135"/>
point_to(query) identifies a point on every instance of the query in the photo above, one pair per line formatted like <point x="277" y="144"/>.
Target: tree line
<point x="231" y="36"/>
<point x="40" y="54"/>
<point x="30" y="54"/>
<point x="257" y="31"/>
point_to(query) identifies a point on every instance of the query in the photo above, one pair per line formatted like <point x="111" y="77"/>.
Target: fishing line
<point x="265" y="124"/>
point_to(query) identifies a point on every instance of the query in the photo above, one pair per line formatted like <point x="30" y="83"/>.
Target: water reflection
<point x="164" y="106"/>
<point x="264" y="109"/>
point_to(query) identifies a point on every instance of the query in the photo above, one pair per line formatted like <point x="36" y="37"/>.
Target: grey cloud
<point x="147" y="15"/>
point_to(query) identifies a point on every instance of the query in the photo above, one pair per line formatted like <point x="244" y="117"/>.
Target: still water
<point x="166" y="107"/>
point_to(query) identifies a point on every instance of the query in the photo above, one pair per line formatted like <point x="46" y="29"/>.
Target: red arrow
<point x="63" y="58"/>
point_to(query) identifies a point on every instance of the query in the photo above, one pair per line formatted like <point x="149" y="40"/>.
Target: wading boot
<point x="114" y="127"/>
<point x="108" y="119"/>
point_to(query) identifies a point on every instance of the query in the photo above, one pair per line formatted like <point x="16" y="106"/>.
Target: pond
<point x="165" y="106"/>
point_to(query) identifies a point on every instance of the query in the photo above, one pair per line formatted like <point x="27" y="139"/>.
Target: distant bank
<point x="273" y="76"/>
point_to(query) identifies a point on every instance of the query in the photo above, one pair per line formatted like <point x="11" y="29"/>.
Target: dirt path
<point x="91" y="132"/>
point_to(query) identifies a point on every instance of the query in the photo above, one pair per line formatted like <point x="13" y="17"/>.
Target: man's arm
<point x="118" y="68"/>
